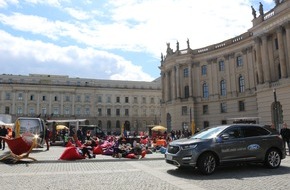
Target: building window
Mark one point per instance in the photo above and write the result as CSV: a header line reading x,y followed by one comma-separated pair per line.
x,y
108,111
126,99
31,111
239,61
87,112
221,65
100,99
55,98
78,98
7,96
78,111
144,100
99,111
135,100
126,112
276,44
19,111
186,91
223,107
203,70
43,111
184,110
67,98
55,111
205,124
87,98
241,84
185,72
205,109
152,101
108,99
118,99
20,96
118,112
241,106
43,98
66,111
31,97
7,110
204,90
223,88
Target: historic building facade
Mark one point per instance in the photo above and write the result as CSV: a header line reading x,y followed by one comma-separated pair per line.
x,y
246,76
106,103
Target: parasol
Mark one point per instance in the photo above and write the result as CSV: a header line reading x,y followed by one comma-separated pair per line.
x,y
158,128
61,127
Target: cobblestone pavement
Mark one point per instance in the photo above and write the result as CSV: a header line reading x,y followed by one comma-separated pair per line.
x,y
105,172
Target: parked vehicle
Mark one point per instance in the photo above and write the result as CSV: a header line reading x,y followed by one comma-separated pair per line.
x,y
225,144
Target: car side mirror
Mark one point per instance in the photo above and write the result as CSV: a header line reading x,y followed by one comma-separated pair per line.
x,y
225,136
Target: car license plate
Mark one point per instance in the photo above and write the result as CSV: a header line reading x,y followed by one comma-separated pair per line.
x,y
168,157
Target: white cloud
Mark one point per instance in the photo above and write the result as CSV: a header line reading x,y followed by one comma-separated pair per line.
x,y
126,25
38,57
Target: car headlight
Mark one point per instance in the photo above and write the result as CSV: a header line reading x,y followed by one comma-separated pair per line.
x,y
188,146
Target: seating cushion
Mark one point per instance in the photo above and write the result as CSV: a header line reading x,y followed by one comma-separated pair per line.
x,y
71,153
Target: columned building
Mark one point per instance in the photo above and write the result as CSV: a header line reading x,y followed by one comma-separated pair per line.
x,y
106,103
242,77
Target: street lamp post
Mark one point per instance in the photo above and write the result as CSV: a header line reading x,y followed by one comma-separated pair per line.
x,y
276,117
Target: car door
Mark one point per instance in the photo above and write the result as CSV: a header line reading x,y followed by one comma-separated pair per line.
x,y
231,147
256,142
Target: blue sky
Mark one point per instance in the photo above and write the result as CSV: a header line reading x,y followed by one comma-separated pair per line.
x,y
113,39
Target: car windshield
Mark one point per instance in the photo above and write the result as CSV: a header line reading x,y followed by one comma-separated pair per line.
x,y
208,133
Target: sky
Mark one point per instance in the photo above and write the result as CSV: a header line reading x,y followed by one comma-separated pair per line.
x,y
112,39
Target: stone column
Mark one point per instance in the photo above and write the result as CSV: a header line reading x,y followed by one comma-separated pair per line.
x,y
287,28
173,83
177,82
163,86
273,70
190,79
227,71
167,89
25,111
258,61
265,59
281,53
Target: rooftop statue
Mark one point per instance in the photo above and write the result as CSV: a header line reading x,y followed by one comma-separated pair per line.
x,y
254,12
261,10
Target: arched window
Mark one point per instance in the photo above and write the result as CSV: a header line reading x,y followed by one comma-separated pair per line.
x,y
223,88
204,90
241,84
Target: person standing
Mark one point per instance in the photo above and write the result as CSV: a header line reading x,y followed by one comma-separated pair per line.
x,y
3,133
285,133
47,136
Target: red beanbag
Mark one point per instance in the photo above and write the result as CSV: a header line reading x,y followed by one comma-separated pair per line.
x,y
143,154
78,143
71,153
131,155
98,150
69,144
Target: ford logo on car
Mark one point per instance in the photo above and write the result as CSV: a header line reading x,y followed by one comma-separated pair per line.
x,y
253,147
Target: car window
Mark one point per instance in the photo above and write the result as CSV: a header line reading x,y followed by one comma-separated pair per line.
x,y
208,133
234,132
251,131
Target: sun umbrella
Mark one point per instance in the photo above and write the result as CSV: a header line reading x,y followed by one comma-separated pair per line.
x,y
158,128
61,127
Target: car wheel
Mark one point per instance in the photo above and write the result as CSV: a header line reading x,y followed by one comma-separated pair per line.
x,y
206,163
272,158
